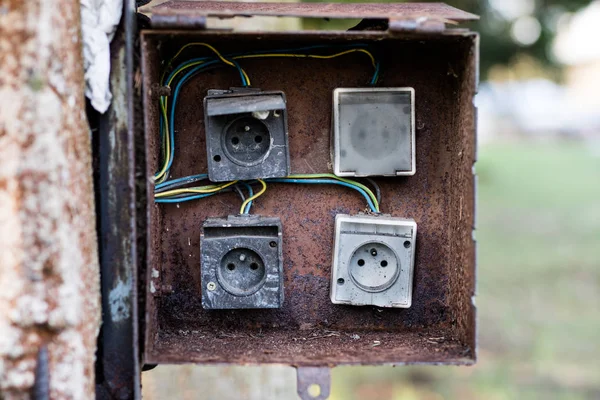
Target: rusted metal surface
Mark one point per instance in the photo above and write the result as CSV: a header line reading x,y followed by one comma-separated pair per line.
x,y
117,366
309,330
436,11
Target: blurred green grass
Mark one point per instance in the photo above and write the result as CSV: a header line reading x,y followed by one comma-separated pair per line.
x,y
538,297
538,285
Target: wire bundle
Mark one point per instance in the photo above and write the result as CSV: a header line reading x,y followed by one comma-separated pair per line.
x,y
175,190
185,71
171,191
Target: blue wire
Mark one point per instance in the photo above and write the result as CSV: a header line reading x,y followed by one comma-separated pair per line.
x,y
185,178
328,181
187,76
182,199
376,74
244,81
250,193
195,70
297,49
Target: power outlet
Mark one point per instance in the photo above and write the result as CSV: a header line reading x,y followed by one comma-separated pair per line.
x,y
241,262
246,134
373,261
373,131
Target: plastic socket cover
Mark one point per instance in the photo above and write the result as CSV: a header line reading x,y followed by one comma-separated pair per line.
x,y
373,261
246,134
241,262
374,131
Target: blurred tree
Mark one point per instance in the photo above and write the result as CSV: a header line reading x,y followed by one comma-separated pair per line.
x,y
508,28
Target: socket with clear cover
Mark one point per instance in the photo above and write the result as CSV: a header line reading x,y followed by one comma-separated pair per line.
x,y
373,261
373,131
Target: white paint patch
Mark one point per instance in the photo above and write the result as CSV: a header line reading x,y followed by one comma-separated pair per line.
x,y
118,299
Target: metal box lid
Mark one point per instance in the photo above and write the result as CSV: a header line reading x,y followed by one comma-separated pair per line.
x,y
400,16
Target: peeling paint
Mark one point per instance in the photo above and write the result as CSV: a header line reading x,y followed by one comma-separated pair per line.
x,y
119,301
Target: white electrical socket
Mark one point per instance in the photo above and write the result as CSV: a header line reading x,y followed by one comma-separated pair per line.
x,y
373,132
373,261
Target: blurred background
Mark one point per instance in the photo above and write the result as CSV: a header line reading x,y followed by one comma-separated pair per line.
x,y
538,227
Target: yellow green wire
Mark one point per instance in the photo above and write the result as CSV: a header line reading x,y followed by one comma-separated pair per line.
x,y
332,176
161,173
301,55
200,189
226,61
249,199
164,99
161,176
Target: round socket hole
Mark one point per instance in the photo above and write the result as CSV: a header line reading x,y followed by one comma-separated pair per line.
x,y
407,244
217,158
340,281
375,273
246,141
273,243
248,274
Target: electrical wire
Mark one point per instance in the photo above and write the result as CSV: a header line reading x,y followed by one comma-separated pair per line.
x,y
317,56
223,59
348,181
183,199
376,187
174,183
200,189
372,206
250,194
167,123
166,194
254,197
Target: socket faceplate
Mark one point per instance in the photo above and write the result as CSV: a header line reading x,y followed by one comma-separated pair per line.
x,y
373,261
241,262
246,134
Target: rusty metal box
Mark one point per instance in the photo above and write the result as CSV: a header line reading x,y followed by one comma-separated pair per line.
x,y
420,47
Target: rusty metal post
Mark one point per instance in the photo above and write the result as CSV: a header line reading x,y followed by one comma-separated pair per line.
x,y
49,286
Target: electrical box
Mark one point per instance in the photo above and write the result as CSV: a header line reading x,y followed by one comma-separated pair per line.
x,y
392,103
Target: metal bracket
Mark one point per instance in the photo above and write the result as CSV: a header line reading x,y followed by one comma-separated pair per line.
x,y
313,383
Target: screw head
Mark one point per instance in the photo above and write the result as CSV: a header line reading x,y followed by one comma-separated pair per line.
x,y
211,286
